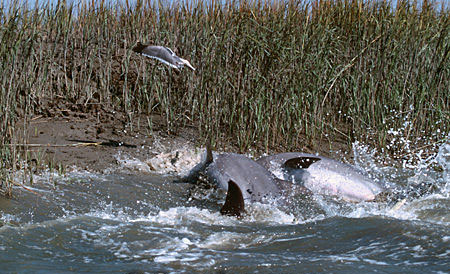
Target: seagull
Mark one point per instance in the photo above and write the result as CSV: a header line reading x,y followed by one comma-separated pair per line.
x,y
162,54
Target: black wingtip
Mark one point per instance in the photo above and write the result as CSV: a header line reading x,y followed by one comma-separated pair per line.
x,y
234,202
139,47
300,162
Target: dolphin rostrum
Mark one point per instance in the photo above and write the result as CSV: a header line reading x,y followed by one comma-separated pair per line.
x,y
162,54
322,175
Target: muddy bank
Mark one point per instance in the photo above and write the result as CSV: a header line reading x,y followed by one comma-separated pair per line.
x,y
92,140
90,144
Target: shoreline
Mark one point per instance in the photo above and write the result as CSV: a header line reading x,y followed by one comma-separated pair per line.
x,y
92,141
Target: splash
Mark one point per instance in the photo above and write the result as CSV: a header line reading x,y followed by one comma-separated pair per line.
x,y
9,219
406,179
256,213
177,162
180,161
443,158
421,186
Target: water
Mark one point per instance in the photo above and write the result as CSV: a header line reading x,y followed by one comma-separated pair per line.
x,y
139,221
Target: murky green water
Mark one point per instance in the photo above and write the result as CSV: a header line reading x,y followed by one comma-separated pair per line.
x,y
119,223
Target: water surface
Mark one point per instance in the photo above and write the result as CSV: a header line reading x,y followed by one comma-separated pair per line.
x,y
120,223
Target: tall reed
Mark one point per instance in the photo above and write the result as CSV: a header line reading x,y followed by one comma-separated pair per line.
x,y
271,74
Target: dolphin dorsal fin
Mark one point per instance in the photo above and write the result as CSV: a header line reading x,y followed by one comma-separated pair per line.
x,y
234,202
300,162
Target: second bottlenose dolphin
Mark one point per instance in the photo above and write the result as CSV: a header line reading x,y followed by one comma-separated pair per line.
x,y
322,175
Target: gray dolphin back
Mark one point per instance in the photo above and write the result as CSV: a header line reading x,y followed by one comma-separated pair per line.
x,y
255,181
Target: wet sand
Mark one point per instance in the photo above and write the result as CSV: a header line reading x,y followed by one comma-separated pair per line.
x,y
90,139
91,142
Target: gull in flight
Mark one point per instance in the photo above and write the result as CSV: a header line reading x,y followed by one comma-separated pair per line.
x,y
162,54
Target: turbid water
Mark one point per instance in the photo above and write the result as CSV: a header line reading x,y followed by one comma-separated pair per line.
x,y
141,222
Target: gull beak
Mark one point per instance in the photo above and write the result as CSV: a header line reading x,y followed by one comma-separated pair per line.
x,y
186,62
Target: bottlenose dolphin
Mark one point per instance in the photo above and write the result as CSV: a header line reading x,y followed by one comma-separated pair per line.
x,y
162,54
322,175
245,181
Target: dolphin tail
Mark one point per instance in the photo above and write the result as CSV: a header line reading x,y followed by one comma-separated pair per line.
x,y
234,202
300,162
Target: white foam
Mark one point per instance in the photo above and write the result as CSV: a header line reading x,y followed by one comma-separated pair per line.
x,y
123,252
110,211
185,215
179,162
333,207
131,163
223,240
443,159
413,174
341,258
275,169
370,261
8,218
269,214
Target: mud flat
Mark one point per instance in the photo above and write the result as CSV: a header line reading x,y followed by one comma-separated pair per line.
x,y
95,141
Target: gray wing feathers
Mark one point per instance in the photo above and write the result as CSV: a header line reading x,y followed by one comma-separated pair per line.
x,y
161,54
166,56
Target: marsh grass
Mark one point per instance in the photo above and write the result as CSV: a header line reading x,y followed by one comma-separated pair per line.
x,y
269,74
